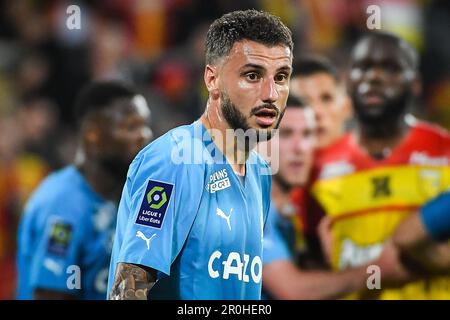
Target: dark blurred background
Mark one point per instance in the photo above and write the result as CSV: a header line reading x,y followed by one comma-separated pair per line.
x,y
158,46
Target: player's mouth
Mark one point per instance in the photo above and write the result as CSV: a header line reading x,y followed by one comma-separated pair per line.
x,y
373,98
296,168
266,117
296,165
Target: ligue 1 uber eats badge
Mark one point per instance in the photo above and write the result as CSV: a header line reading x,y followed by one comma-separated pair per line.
x,y
154,204
60,237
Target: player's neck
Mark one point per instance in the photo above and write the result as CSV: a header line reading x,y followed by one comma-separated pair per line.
x,y
225,141
381,138
104,183
281,197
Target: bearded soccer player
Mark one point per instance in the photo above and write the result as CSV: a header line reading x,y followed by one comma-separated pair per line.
x,y
387,167
66,232
191,216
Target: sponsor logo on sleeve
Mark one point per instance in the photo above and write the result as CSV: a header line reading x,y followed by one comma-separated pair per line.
x,y
60,238
154,204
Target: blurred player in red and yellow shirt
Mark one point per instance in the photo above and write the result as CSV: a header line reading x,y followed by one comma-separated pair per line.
x,y
387,167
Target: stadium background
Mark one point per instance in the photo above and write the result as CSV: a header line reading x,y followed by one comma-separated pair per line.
x,y
158,45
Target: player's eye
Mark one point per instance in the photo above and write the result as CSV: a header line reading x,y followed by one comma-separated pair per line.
x,y
252,76
361,66
308,133
281,77
285,133
326,98
392,67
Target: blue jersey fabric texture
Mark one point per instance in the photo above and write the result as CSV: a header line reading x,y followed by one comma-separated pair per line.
x,y
435,217
279,241
65,238
185,213
279,237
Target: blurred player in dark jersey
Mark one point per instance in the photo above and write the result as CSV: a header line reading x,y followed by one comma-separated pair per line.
x,y
387,167
66,232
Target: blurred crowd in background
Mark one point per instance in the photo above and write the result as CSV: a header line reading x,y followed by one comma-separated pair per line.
x,y
158,46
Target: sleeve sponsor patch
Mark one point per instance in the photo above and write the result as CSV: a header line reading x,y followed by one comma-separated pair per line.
x,y
60,238
154,204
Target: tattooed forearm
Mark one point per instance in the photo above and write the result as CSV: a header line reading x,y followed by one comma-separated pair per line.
x,y
132,282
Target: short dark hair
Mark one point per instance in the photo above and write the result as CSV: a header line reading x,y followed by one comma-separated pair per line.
x,y
258,26
296,102
99,95
309,65
409,52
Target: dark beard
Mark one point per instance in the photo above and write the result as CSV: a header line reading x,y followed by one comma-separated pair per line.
x,y
391,113
237,121
115,166
284,185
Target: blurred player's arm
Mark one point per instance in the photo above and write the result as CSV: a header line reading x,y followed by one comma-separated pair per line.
x,y
285,281
132,282
424,236
393,271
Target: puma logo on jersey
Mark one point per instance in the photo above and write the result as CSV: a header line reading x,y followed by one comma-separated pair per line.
x,y
222,214
53,266
140,235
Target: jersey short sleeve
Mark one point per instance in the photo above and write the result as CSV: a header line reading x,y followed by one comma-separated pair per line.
x,y
56,248
158,206
274,247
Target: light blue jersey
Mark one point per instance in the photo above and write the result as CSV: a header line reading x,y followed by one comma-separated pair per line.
x,y
197,224
279,240
65,238
279,237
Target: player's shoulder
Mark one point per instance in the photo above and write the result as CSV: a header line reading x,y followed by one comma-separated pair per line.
x,y
63,189
171,155
175,145
256,158
260,165
342,148
54,185
429,140
427,130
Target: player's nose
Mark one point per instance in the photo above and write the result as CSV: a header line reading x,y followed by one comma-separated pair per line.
x,y
269,93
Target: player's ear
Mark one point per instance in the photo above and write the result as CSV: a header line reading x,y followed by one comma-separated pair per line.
x,y
90,134
347,109
345,103
212,81
417,86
